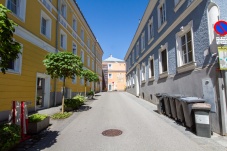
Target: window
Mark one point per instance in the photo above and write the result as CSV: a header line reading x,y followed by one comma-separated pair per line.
x,y
143,72
82,34
142,42
163,60
81,81
93,65
74,24
129,61
17,7
178,4
133,80
161,15
109,66
133,56
14,66
110,76
93,47
88,43
63,40
150,30
74,80
45,25
151,67
184,47
88,61
137,50
82,55
63,10
74,51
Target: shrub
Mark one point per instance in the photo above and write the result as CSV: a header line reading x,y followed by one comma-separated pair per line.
x,y
10,136
91,93
36,117
74,103
61,115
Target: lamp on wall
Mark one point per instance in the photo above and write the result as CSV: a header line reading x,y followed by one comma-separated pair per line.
x,y
182,28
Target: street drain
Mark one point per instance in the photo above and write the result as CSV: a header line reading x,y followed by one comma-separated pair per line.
x,y
112,132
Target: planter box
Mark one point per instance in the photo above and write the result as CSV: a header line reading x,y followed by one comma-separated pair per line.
x,y
34,128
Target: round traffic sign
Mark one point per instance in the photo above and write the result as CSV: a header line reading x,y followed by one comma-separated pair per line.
x,y
220,28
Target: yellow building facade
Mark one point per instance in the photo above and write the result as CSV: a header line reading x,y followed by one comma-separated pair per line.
x,y
46,26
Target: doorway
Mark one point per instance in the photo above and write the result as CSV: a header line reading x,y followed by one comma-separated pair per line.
x,y
110,87
138,81
42,98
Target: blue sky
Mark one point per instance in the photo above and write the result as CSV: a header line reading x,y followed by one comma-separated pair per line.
x,y
114,22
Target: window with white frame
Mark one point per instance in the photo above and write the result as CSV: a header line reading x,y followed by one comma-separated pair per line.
x,y
161,13
14,66
110,75
150,29
143,72
81,81
82,55
88,43
88,61
133,56
163,59
137,49
129,61
178,4
45,25
82,34
133,78
109,66
63,40
74,80
63,10
74,24
17,7
74,51
142,42
184,45
151,66
93,66
93,47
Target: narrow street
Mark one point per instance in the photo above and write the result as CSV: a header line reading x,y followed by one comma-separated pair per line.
x,y
143,128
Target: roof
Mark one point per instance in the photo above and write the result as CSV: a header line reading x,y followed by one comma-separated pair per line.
x,y
112,59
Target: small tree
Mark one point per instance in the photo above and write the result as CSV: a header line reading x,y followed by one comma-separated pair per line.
x,y
89,76
9,49
63,65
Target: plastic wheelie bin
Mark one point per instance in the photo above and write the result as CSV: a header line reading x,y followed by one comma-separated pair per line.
x,y
167,104
187,103
160,105
173,98
179,110
202,119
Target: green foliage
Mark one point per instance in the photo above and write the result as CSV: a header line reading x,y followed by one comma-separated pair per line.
x,y
36,117
63,64
91,93
9,48
89,76
9,136
74,103
80,98
61,115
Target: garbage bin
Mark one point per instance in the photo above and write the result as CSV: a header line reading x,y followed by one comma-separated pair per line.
x,y
167,104
173,104
179,110
187,103
202,119
160,105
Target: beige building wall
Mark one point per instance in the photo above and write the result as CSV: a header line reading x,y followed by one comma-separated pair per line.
x,y
115,75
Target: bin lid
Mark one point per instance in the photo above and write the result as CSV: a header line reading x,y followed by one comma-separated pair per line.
x,y
176,95
161,94
203,106
192,100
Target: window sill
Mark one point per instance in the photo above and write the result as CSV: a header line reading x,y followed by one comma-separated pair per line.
x,y
178,5
49,38
143,81
163,75
9,71
150,40
18,17
142,50
151,78
137,57
186,67
162,26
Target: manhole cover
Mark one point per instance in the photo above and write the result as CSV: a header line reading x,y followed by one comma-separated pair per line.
x,y
112,132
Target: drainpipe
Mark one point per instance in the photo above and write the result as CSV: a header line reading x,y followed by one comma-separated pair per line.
x,y
56,49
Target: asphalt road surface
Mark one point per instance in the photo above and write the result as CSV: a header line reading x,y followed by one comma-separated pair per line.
x,y
143,129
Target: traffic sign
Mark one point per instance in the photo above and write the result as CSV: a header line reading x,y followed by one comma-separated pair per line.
x,y
221,40
220,27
